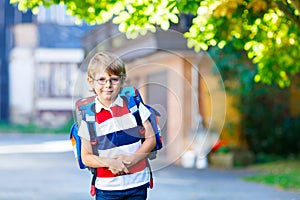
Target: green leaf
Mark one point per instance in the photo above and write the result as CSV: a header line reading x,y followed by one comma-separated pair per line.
x,y
165,25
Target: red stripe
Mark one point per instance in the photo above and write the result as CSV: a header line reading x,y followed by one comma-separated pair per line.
x,y
120,111
104,172
102,116
117,111
138,167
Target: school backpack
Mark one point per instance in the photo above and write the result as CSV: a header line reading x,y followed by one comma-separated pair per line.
x,y
132,98
86,109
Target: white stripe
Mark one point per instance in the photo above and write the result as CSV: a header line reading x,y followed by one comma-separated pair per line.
x,y
123,182
134,109
144,112
122,150
118,102
116,124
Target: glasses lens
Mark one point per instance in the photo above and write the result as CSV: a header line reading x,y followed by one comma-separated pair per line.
x,y
101,81
114,80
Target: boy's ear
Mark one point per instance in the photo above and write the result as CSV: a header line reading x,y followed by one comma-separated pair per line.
x,y
90,80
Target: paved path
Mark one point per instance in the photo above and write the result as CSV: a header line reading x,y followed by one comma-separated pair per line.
x,y
41,173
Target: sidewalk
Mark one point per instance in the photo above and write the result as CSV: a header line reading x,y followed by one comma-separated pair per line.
x,y
212,184
55,176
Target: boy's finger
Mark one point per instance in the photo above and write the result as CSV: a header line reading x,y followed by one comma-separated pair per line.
x,y
126,162
126,170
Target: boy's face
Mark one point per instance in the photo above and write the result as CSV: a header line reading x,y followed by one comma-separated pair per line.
x,y
106,86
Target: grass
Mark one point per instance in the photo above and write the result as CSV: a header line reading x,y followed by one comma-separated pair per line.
x,y
282,174
32,128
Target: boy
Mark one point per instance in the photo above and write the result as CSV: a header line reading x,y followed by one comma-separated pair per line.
x,y
121,165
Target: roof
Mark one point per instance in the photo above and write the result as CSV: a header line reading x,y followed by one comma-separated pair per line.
x,y
61,36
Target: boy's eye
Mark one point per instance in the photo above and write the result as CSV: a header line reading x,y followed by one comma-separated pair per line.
x,y
102,80
114,80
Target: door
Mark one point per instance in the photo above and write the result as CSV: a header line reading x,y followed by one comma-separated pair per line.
x,y
157,97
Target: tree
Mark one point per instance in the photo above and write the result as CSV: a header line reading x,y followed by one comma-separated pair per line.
x,y
268,30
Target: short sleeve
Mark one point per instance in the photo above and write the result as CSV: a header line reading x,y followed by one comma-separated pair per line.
x,y
83,130
144,112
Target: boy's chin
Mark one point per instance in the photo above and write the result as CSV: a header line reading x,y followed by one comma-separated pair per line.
x,y
109,98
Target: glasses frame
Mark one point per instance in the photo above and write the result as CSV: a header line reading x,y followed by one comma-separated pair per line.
x,y
103,81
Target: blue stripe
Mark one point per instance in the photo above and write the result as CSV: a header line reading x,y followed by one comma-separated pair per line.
x,y
119,138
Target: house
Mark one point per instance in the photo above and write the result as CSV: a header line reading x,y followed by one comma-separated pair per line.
x,y
175,80
44,65
179,83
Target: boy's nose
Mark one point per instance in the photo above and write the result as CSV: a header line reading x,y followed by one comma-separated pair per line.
x,y
108,82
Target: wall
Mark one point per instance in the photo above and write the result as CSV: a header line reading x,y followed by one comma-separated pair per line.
x,y
26,105
176,69
218,108
21,73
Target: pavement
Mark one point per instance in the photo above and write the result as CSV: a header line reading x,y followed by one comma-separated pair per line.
x,y
42,166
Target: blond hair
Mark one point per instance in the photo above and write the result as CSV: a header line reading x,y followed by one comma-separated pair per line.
x,y
108,62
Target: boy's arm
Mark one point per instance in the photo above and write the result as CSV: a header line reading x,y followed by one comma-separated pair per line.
x,y
145,148
91,160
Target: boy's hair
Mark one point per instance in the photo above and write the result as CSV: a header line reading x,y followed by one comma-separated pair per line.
x,y
109,62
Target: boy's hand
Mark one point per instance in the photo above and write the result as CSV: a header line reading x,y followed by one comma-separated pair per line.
x,y
117,167
127,160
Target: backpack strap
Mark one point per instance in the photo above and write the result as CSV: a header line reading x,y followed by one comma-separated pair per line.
x,y
91,124
150,173
87,109
142,132
136,114
93,137
94,144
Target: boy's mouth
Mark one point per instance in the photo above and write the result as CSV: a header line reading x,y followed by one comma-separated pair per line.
x,y
108,91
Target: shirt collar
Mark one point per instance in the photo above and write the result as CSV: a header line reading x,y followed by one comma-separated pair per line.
x,y
99,106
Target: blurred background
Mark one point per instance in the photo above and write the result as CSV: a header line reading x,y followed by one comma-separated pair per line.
x,y
220,107
46,57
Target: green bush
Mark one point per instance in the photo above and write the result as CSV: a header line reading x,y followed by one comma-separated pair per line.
x,y
266,122
32,128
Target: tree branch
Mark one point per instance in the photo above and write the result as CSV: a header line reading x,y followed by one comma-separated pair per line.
x,y
283,6
296,4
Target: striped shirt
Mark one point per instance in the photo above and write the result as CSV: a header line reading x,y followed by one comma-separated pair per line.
x,y
117,134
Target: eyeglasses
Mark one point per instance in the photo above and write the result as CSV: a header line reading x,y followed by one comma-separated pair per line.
x,y
103,81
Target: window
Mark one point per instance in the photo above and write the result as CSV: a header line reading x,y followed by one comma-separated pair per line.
x,y
56,79
55,14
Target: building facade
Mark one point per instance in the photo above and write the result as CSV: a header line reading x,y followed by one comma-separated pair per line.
x,y
8,18
44,65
